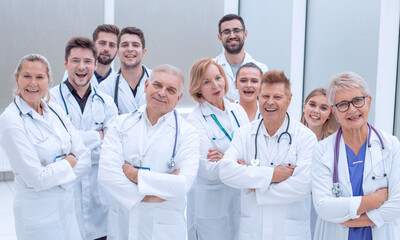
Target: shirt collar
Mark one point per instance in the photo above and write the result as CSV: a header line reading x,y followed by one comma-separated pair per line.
x,y
101,78
164,118
208,109
263,130
74,92
25,108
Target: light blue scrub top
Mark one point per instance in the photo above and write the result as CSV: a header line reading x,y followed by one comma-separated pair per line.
x,y
356,170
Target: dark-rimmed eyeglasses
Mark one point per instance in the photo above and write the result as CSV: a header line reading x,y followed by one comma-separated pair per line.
x,y
228,32
357,102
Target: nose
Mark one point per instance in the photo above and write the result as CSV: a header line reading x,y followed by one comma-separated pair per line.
x,y
214,85
162,92
130,47
81,65
351,108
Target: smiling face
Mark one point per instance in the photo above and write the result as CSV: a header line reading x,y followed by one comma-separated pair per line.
x,y
80,66
233,43
33,82
248,84
163,93
213,86
354,118
316,111
131,51
106,45
274,101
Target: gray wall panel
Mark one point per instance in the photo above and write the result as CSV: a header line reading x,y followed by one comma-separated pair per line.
x,y
341,36
177,32
44,27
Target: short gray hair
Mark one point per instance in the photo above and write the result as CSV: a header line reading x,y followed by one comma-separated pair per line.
x,y
168,69
345,80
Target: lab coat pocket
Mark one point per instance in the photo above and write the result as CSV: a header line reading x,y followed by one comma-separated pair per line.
x,y
396,232
42,220
169,224
112,229
246,228
297,230
211,201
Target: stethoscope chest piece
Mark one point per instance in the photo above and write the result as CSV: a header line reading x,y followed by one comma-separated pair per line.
x,y
255,161
171,163
336,190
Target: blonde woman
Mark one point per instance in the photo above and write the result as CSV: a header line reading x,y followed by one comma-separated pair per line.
x,y
213,207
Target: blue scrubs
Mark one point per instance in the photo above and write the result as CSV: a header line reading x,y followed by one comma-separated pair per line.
x,y
356,172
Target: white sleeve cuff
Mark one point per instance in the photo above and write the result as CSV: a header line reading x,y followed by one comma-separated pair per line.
x,y
375,218
354,205
267,182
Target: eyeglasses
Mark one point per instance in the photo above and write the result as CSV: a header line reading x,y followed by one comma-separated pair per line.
x,y
227,32
357,102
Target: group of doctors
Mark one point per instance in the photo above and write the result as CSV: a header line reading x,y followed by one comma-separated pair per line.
x,y
105,155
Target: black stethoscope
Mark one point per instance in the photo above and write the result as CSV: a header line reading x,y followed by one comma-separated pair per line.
x,y
101,119
43,139
117,85
336,190
255,161
171,163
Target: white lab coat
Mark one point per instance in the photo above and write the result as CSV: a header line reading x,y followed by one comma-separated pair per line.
x,y
90,199
126,140
213,208
221,60
275,210
93,80
257,115
44,201
126,102
332,211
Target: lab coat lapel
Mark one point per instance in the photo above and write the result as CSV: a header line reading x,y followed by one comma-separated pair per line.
x,y
72,104
221,59
373,157
343,168
125,92
261,145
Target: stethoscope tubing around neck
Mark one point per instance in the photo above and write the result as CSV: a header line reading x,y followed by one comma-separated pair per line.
x,y
30,115
95,94
117,84
171,163
279,138
335,177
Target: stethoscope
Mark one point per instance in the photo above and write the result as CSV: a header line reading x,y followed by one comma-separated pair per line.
x,y
171,162
220,125
43,139
255,161
96,121
117,85
336,190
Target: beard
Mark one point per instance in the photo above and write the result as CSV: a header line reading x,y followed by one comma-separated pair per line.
x,y
233,49
105,61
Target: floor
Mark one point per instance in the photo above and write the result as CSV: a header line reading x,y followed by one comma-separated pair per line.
x,y
7,230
